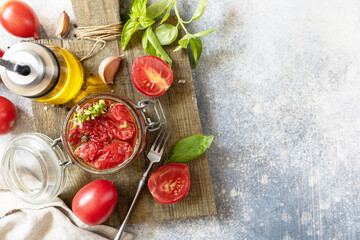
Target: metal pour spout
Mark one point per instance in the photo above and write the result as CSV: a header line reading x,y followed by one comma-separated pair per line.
x,y
20,69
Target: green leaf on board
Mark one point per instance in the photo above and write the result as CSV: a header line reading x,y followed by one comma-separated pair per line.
x,y
138,8
184,41
146,22
160,52
196,49
189,148
166,34
167,14
155,8
128,30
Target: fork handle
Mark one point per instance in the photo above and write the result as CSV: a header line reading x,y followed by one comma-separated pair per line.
x,y
137,195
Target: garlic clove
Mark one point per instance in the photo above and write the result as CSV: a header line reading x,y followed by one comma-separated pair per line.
x,y
108,68
63,25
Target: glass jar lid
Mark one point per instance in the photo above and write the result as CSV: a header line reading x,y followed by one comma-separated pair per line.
x,y
34,168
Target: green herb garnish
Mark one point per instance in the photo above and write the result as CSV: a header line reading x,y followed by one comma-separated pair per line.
x,y
88,114
142,17
189,148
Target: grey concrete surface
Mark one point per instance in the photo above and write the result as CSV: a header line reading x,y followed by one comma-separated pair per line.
x,y
278,85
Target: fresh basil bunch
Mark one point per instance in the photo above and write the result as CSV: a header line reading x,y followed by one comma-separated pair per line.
x,y
189,148
142,17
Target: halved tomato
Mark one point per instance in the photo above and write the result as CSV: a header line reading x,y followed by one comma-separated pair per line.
x,y
170,183
151,75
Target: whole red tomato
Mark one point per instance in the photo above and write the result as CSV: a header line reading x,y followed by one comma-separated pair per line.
x,y
170,183
8,116
95,202
19,19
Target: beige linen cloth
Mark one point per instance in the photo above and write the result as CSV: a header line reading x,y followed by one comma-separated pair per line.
x,y
20,220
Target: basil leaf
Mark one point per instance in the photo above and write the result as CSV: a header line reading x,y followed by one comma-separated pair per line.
x,y
138,8
157,46
145,41
128,30
155,8
199,10
149,49
200,34
167,14
166,34
146,22
196,49
189,148
184,41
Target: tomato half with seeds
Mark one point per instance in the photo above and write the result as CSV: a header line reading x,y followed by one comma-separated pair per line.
x,y
151,75
170,183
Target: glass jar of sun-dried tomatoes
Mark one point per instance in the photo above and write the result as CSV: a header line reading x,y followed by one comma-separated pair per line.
x,y
113,140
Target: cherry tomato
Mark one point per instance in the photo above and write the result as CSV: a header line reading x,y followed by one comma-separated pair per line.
x,y
151,76
95,202
8,116
113,154
170,183
19,19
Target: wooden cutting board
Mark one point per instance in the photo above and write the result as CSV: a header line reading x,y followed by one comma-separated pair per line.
x,y
179,104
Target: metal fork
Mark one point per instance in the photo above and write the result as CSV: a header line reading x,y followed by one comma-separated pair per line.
x,y
154,155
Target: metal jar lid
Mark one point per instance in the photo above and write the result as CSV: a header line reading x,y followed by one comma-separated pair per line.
x,y
44,70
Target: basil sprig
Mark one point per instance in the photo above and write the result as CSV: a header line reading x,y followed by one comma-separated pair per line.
x,y
89,113
189,148
142,18
137,17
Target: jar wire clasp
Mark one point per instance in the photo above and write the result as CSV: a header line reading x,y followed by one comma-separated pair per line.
x,y
65,164
159,113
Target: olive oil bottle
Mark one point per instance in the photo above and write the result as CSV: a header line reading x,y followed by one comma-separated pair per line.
x,y
47,74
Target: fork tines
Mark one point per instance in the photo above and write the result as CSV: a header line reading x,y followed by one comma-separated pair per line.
x,y
161,140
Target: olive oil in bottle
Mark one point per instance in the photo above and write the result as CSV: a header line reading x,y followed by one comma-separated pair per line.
x,y
47,74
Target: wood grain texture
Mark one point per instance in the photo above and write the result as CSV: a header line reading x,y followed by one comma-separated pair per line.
x,y
179,104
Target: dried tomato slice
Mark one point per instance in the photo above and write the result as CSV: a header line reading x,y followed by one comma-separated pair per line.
x,y
89,150
113,154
